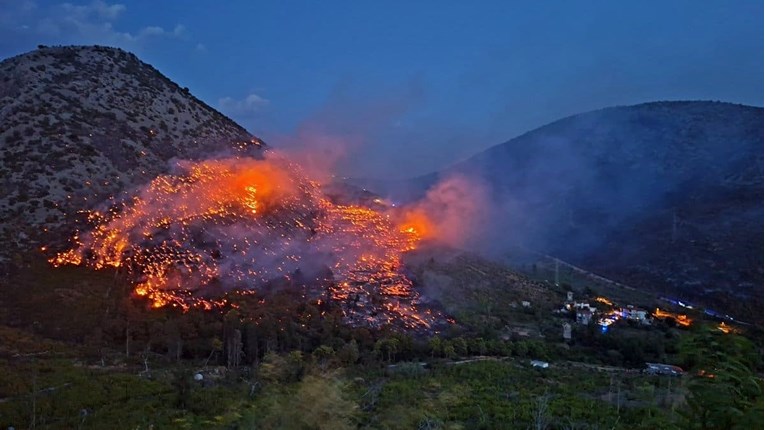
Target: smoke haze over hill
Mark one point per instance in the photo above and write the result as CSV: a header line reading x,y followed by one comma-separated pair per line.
x,y
664,195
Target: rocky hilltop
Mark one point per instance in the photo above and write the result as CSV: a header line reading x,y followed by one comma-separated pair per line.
x,y
79,124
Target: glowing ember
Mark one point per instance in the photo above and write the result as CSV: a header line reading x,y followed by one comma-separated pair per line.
x,y
239,223
604,301
727,329
680,319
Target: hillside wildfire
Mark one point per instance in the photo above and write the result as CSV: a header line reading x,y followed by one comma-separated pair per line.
x,y
241,223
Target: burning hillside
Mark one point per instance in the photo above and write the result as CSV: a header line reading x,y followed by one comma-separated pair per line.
x,y
241,223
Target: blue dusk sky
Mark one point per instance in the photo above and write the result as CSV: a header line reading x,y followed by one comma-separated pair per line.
x,y
408,87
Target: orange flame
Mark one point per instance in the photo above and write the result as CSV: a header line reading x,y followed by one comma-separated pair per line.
x,y
681,319
417,223
255,217
604,301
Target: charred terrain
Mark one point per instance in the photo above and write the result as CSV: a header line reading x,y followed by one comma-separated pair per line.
x,y
164,268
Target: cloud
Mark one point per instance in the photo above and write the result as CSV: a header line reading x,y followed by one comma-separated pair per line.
x,y
108,11
98,9
177,31
247,106
152,31
96,22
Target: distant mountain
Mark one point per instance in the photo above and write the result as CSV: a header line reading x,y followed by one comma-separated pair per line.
x,y
665,195
80,124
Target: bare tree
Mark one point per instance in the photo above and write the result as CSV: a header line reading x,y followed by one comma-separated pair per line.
x,y
145,357
127,337
234,349
217,345
34,401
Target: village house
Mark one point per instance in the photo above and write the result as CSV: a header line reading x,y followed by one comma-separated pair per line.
x,y
566,331
583,316
636,314
569,303
583,305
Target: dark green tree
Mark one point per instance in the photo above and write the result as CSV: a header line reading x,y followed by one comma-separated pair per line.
x,y
724,390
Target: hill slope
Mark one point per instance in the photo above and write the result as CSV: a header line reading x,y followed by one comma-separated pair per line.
x,y
80,124
663,195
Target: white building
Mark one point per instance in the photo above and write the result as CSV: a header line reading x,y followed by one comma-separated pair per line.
x,y
566,331
583,316
637,315
540,364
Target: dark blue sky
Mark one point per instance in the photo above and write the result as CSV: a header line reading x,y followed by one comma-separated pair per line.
x,y
408,87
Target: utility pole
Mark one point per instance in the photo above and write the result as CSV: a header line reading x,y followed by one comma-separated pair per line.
x,y
557,264
34,401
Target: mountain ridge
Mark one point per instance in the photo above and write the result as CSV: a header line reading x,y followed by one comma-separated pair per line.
x,y
623,190
614,190
80,124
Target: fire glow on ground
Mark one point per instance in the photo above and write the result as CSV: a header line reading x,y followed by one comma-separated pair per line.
x,y
236,223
